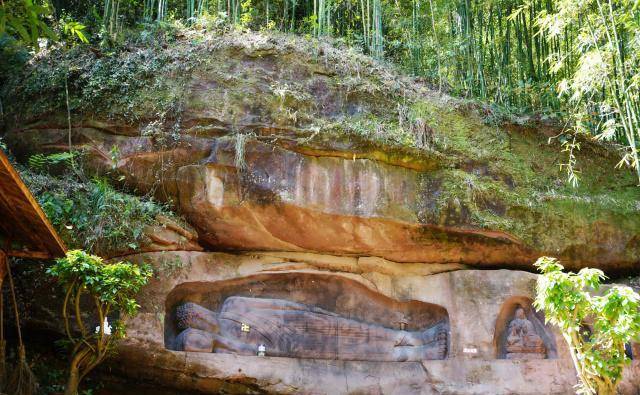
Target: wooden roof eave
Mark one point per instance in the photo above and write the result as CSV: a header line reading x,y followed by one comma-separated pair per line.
x,y
24,220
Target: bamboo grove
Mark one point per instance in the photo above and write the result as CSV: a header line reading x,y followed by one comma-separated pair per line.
x,y
544,56
488,49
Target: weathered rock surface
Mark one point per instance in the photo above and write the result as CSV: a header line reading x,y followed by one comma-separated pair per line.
x,y
475,301
169,235
269,147
222,373
330,181
479,307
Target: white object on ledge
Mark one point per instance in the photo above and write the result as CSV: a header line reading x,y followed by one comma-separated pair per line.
x,y
262,350
105,327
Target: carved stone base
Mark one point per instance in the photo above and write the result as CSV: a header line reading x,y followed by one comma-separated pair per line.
x,y
525,355
532,349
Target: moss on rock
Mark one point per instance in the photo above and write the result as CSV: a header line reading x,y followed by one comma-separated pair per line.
x,y
315,98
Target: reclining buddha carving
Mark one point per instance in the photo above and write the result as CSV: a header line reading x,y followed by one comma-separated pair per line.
x,y
291,329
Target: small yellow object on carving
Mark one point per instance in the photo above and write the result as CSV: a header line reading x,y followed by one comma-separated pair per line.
x,y
244,327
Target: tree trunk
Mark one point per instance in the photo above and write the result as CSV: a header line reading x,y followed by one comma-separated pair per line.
x,y
606,388
73,382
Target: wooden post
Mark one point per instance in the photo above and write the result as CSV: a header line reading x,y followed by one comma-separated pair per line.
x,y
3,266
4,260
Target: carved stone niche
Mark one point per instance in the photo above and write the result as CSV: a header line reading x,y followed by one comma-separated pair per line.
x,y
520,332
303,315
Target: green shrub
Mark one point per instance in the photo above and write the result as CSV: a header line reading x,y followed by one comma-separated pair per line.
x,y
91,214
612,319
112,288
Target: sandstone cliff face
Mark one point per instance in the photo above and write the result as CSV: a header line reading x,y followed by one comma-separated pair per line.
x,y
477,304
474,301
280,144
312,167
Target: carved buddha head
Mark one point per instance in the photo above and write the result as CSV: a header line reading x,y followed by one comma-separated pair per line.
x,y
403,321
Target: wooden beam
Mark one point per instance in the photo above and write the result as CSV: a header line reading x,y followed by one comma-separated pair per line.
x,y
51,241
7,251
20,225
29,254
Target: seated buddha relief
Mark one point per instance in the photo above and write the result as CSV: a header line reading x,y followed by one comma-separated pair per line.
x,y
522,340
521,333
283,328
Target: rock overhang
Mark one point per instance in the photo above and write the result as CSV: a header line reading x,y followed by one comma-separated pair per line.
x,y
283,199
380,161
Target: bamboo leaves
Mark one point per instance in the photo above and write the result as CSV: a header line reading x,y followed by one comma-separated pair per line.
x,y
75,29
602,86
25,20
